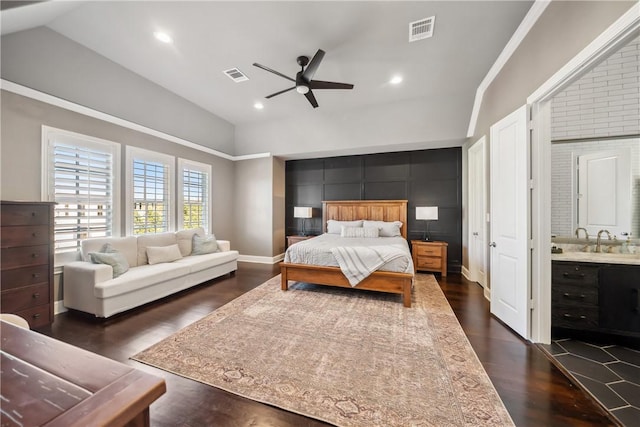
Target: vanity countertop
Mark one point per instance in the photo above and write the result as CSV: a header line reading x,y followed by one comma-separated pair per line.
x,y
632,259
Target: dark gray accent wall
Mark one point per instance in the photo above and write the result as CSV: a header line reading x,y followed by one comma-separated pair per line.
x,y
424,178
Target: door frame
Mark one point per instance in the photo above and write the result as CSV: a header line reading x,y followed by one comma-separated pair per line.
x,y
625,28
480,147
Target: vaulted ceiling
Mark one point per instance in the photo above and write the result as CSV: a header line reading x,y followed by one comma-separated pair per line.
x,y
366,44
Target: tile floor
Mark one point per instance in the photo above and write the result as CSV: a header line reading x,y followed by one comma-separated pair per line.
x,y
611,374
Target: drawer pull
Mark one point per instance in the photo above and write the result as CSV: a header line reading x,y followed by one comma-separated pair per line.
x,y
33,214
35,275
36,295
573,276
34,255
572,317
34,234
567,295
37,315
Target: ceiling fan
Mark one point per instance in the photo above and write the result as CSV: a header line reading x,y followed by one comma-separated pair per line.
x,y
303,80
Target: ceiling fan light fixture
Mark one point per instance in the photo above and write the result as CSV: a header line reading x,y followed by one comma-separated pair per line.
x,y
302,89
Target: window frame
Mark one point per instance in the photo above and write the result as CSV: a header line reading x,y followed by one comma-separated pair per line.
x,y
49,135
133,153
185,164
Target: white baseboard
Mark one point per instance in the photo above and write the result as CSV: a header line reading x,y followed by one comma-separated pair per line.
x,y
58,307
487,293
466,274
261,259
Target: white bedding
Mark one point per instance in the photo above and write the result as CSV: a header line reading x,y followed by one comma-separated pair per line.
x,y
317,251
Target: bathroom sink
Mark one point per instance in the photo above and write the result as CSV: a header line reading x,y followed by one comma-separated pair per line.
x,y
597,257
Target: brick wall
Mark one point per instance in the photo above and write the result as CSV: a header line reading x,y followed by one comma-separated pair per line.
x,y
605,102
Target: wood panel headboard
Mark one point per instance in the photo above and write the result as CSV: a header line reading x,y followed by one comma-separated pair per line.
x,y
373,210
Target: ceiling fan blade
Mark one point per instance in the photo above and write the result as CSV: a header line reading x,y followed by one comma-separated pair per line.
x,y
313,65
273,71
312,99
319,84
278,93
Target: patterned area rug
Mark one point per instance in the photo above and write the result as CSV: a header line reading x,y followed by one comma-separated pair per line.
x,y
344,356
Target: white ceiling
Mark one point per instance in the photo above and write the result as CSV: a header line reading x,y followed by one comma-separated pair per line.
x,y
366,43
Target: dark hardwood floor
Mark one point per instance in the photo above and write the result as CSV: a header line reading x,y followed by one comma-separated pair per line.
x,y
533,390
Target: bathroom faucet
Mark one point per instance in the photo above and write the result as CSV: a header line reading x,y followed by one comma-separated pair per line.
x,y
598,249
586,235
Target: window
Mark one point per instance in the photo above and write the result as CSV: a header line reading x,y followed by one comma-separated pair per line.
x,y
149,195
80,173
194,185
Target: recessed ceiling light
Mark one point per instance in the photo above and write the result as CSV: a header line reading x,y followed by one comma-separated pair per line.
x,y
163,37
258,106
395,80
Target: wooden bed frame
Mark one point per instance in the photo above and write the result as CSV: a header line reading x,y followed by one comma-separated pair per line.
x,y
350,210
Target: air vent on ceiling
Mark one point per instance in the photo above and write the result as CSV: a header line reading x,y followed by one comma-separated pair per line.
x,y
236,75
421,29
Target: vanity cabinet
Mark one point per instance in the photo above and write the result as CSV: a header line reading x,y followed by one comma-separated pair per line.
x,y
595,298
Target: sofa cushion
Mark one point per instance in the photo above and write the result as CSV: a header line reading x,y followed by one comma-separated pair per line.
x,y
160,254
160,239
185,239
140,277
202,262
110,256
126,245
204,245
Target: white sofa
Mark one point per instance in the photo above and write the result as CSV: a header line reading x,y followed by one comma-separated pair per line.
x,y
91,287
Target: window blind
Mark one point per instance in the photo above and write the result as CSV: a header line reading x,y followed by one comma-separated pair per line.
x,y
195,198
150,196
82,185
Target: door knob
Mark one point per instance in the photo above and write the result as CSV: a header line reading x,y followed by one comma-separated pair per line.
x,y
492,244
475,233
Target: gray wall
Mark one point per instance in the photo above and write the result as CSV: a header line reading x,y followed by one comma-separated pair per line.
x,y
563,30
20,155
51,63
253,206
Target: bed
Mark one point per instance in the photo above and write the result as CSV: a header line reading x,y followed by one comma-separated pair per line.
x,y
351,210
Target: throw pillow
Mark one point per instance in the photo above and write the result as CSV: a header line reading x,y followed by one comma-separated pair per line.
x,y
160,254
204,245
367,232
110,256
335,227
387,228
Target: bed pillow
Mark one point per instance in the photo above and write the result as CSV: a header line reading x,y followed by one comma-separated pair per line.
x,y
366,232
110,256
387,228
159,254
204,244
335,227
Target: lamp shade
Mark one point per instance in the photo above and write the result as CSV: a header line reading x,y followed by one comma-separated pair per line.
x,y
302,212
427,212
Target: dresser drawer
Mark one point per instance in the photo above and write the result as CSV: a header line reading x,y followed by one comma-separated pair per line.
x,y
37,316
24,298
429,263
24,235
25,215
571,273
428,251
575,317
574,295
24,257
26,276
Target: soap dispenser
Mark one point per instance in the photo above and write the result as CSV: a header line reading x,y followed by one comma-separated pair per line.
x,y
626,245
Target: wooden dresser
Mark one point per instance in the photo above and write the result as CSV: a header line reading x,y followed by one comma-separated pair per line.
x,y
26,260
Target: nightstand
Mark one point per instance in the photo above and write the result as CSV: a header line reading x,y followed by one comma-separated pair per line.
x,y
429,256
295,239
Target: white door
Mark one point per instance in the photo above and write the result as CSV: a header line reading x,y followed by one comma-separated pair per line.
x,y
477,212
510,199
604,192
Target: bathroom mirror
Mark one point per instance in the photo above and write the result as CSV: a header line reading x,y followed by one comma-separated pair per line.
x,y
595,184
